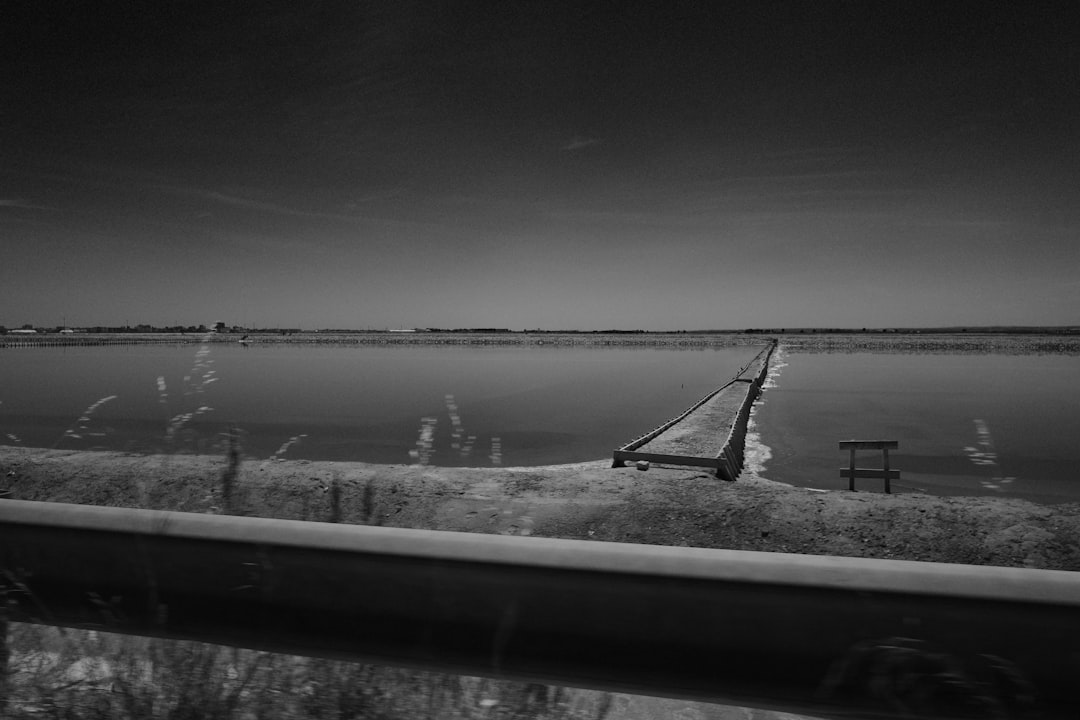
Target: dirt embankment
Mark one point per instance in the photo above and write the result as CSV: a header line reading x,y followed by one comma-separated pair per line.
x,y
662,506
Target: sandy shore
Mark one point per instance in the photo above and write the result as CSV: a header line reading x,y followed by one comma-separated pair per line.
x,y
662,506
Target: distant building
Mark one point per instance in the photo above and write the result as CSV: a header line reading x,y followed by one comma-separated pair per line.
x,y
23,331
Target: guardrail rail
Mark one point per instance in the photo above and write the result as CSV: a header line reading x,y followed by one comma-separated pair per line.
x,y
835,637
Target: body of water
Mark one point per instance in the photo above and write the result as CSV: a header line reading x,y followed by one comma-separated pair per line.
x,y
968,423
449,406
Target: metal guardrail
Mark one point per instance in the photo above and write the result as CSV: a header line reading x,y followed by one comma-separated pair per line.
x,y
837,637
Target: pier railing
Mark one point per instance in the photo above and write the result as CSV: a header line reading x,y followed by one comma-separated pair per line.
x,y
835,637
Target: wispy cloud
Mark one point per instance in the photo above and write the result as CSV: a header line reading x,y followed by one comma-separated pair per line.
x,y
127,179
90,174
22,204
816,153
804,177
579,142
376,197
350,216
260,205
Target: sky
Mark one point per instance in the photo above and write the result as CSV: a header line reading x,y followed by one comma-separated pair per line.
x,y
579,165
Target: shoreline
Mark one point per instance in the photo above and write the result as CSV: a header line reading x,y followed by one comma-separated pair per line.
x,y
676,339
589,500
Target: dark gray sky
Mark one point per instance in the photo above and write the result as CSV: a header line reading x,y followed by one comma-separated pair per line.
x,y
656,165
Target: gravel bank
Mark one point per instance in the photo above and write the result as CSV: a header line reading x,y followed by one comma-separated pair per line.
x,y
662,506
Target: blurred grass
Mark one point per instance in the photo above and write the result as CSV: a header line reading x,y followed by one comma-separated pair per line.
x,y
79,674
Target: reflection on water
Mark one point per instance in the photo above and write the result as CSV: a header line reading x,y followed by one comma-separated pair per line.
x,y
440,405
985,456
1002,423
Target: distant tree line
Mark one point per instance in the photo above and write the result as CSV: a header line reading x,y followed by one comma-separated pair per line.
x,y
177,329
221,327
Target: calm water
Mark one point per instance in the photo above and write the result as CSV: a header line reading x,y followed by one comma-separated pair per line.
x,y
463,406
969,424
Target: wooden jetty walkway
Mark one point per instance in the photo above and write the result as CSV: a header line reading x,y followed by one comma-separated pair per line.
x,y
712,432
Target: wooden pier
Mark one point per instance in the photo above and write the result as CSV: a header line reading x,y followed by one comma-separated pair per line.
x,y
712,432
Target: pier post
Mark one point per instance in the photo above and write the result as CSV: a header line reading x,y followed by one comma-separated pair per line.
x,y
885,466
851,470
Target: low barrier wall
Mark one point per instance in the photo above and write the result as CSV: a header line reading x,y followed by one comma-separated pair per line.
x,y
732,457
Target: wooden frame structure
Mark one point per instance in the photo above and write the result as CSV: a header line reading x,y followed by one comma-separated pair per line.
x,y
885,472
